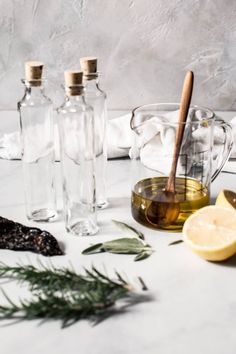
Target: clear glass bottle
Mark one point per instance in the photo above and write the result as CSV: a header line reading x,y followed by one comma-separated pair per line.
x,y
96,98
38,156
77,158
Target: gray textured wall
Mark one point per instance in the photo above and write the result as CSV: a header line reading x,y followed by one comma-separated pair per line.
x,y
144,46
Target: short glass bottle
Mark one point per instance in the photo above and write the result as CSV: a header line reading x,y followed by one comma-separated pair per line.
x,y
76,130
38,156
96,98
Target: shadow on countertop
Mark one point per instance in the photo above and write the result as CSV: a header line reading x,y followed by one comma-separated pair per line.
x,y
231,262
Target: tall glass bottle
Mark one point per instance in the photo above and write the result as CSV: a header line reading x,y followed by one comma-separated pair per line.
x,y
77,158
37,136
96,98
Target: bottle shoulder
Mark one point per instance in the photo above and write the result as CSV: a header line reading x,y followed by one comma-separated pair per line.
x,y
73,107
93,90
97,97
28,100
101,92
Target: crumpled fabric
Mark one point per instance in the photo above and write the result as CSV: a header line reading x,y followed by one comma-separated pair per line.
x,y
154,142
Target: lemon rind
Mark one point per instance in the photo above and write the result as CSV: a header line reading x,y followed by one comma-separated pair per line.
x,y
215,253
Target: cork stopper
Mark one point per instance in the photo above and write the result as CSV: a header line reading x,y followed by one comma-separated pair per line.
x,y
33,72
89,67
73,82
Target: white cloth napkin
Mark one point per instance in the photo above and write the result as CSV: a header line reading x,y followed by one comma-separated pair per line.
x,y
156,139
119,140
230,166
155,142
233,152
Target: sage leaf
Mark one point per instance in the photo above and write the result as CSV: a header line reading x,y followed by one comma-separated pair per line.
x,y
125,227
175,242
94,249
124,245
143,255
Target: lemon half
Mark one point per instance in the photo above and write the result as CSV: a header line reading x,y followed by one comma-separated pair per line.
x,y
227,199
211,232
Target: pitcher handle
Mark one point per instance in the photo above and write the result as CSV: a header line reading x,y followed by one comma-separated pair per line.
x,y
228,144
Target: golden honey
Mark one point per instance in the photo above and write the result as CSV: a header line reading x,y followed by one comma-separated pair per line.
x,y
190,195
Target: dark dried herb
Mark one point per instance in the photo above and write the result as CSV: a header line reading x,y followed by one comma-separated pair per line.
x,y
18,237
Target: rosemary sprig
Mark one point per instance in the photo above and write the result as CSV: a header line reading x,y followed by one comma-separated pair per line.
x,y
61,293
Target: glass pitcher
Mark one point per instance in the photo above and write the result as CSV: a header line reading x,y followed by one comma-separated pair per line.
x,y
206,146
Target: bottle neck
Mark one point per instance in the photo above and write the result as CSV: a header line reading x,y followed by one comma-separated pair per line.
x,y
33,88
91,84
75,90
75,99
34,91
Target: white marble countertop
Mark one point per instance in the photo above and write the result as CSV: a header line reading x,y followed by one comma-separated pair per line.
x,y
193,306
